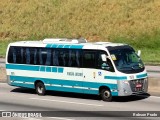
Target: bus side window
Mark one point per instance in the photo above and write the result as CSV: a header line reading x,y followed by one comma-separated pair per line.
x,y
111,68
89,58
22,52
14,55
104,64
11,55
48,60
74,58
99,61
55,57
17,55
42,56
62,57
35,56
70,58
78,58
27,56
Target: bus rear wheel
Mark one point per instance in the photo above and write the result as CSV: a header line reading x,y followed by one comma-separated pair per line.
x,y
106,95
40,88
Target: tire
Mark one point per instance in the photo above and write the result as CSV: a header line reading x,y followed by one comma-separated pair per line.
x,y
106,95
40,89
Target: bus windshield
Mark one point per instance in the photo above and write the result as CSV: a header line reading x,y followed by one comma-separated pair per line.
x,y
125,59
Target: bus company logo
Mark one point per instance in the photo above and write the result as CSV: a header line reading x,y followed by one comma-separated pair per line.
x,y
6,114
21,114
100,73
131,77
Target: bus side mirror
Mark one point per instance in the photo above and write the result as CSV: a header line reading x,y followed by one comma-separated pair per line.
x,y
139,53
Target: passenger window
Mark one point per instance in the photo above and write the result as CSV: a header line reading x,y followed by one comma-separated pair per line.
x,y
75,59
31,56
42,56
11,55
48,60
67,58
27,56
62,57
55,58
89,59
14,55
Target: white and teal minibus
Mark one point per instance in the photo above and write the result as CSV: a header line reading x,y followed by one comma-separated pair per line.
x,y
75,65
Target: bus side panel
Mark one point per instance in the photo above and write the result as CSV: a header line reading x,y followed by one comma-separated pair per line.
x,y
96,78
20,81
60,85
64,89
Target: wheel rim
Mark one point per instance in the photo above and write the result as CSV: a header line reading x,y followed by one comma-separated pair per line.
x,y
107,94
40,89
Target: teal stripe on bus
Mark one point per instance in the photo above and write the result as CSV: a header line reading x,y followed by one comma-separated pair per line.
x,y
142,75
64,46
116,77
54,69
67,46
22,67
48,45
76,46
23,85
48,69
60,70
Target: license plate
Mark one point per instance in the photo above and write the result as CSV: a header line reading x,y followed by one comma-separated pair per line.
x,y
138,85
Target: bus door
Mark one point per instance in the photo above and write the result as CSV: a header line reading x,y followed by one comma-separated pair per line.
x,y
96,71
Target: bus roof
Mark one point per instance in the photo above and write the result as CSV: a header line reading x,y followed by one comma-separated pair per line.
x,y
65,43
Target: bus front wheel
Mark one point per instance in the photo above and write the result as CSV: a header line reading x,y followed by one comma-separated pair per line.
x,y
106,95
40,88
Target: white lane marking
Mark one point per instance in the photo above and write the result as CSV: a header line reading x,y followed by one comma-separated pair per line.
x,y
3,83
67,102
59,118
31,118
155,97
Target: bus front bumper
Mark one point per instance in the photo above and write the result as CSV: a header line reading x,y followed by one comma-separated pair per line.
x,y
132,87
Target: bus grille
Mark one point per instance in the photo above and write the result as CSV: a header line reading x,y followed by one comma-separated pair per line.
x,y
137,85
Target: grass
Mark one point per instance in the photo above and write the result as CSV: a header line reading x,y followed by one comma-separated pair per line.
x,y
136,22
148,44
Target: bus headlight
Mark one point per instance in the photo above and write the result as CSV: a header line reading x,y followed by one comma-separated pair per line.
x,y
126,82
146,79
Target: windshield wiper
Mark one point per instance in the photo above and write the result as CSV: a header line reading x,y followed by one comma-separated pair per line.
x,y
125,67
139,66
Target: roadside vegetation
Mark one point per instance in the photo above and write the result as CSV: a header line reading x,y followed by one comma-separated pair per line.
x,y
136,22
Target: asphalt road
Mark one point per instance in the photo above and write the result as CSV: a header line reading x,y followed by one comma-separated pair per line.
x,y
74,106
154,74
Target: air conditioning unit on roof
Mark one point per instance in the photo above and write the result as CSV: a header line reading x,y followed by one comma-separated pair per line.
x,y
64,40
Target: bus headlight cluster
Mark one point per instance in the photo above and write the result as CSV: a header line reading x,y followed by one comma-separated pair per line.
x,y
126,82
146,79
